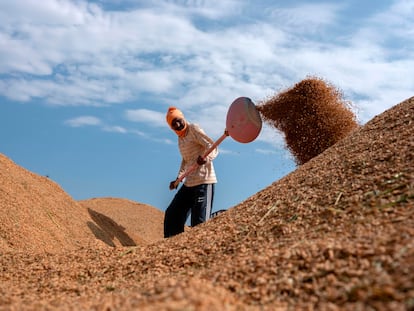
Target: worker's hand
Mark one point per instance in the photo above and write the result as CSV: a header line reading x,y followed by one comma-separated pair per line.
x,y
201,160
173,184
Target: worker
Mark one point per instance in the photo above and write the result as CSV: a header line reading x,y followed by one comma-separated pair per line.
x,y
196,195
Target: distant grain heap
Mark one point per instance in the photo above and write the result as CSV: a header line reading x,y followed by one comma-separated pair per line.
x,y
312,115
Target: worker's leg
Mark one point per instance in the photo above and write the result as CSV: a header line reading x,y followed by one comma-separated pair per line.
x,y
203,203
176,214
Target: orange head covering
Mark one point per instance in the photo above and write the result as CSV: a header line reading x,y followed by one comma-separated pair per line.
x,y
174,113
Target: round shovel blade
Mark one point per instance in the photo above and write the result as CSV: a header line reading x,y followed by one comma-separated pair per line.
x,y
243,120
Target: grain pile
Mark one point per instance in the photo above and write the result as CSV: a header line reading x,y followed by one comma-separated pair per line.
x,y
126,222
312,115
335,234
37,215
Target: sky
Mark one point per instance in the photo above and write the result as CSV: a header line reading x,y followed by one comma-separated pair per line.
x,y
85,85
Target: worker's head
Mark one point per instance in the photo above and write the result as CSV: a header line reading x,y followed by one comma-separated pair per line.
x,y
176,121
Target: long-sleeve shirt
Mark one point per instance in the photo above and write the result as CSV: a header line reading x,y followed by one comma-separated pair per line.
x,y
193,144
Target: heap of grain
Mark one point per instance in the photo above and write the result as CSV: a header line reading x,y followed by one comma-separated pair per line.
x,y
312,115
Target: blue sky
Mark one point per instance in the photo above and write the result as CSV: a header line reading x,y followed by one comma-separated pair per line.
x,y
84,85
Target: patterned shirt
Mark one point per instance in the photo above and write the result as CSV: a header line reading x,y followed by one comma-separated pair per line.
x,y
193,144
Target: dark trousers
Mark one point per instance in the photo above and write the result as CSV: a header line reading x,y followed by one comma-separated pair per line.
x,y
197,200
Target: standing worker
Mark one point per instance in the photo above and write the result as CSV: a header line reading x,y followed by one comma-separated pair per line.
x,y
197,192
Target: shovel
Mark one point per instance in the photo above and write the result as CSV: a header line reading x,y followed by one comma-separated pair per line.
x,y
243,124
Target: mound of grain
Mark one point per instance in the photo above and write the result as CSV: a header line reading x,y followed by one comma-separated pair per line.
x,y
126,222
335,234
37,215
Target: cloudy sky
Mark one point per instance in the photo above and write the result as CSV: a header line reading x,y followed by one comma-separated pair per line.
x,y
84,85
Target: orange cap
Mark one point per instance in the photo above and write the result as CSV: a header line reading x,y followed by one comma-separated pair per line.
x,y
173,113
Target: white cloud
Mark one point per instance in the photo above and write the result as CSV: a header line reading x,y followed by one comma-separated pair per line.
x,y
46,11
115,129
200,55
398,20
212,9
154,118
83,121
226,151
265,151
306,17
